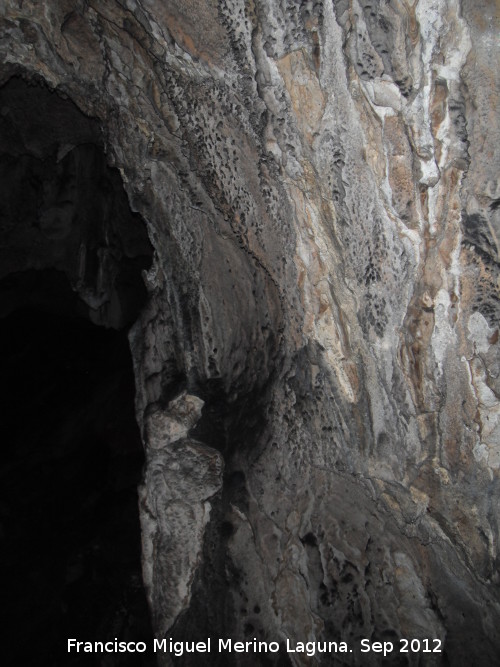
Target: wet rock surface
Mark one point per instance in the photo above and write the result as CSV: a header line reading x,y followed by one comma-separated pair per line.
x,y
316,362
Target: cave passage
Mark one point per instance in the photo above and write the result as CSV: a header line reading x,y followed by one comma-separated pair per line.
x,y
71,462
71,256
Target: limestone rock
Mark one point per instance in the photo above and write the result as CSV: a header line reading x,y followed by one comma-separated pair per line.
x,y
319,182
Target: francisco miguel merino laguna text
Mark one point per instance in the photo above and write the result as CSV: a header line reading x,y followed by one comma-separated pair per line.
x,y
178,648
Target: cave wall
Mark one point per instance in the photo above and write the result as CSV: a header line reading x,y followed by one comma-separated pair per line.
x,y
317,364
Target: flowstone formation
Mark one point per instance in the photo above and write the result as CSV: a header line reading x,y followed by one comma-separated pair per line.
x,y
317,364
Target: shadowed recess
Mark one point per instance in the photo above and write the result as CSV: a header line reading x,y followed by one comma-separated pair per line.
x,y
71,257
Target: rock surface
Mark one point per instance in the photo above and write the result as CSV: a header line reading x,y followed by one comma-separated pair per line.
x,y
317,365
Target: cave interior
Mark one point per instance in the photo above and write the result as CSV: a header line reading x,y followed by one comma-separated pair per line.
x,y
72,254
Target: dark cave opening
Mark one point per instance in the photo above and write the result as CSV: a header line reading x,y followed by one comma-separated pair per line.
x,y
71,257
64,208
71,462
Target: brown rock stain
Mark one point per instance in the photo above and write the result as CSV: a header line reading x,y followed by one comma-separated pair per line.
x,y
438,112
413,24
194,26
308,100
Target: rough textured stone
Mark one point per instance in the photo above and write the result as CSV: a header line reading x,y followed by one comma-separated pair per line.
x,y
320,184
